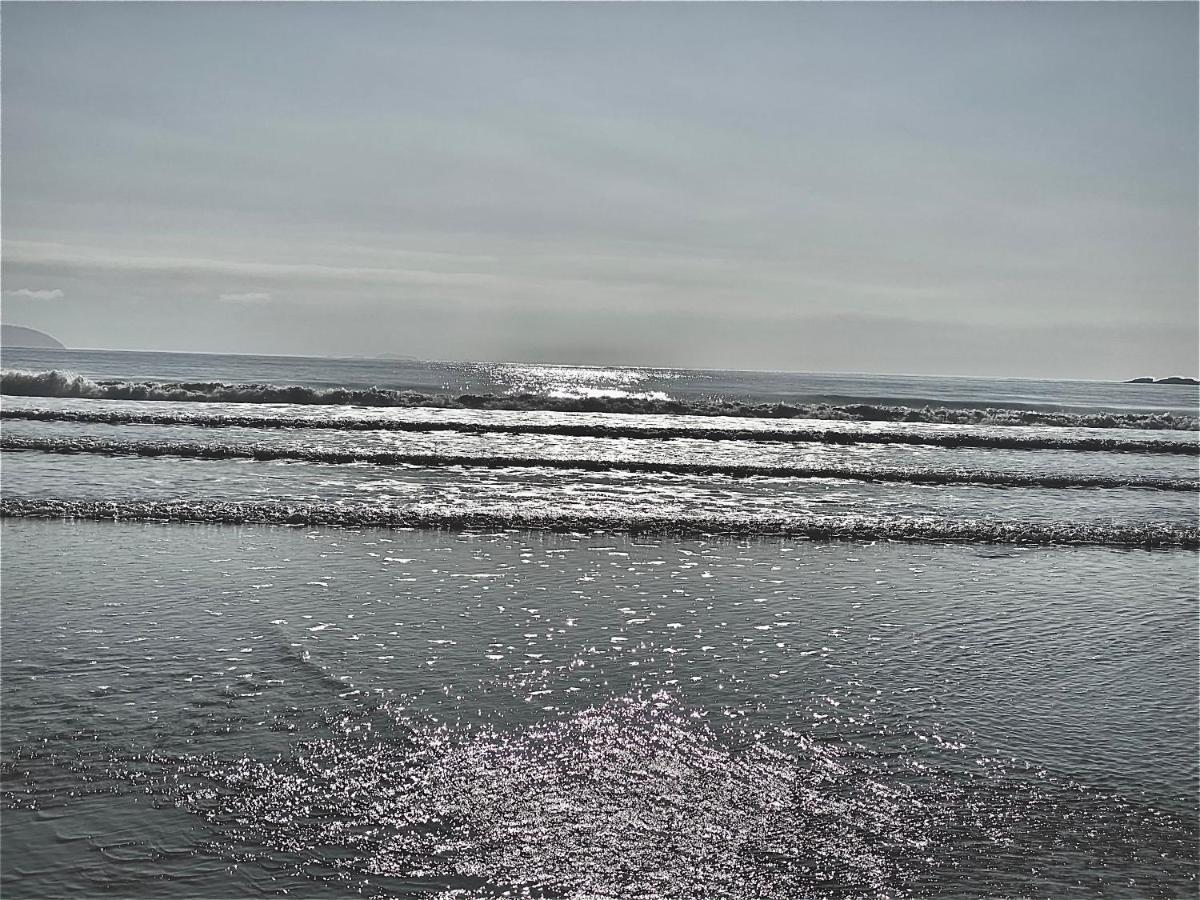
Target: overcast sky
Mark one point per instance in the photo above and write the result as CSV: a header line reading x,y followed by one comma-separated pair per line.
x,y
1005,189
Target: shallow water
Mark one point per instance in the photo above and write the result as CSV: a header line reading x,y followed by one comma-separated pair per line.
x,y
419,711
559,494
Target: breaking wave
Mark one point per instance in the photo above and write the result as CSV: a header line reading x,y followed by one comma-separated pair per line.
x,y
270,452
598,430
70,384
1152,535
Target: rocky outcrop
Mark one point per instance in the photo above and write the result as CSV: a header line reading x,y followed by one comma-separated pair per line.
x,y
1174,379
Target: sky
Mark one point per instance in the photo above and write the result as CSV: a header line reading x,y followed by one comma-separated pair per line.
x,y
948,188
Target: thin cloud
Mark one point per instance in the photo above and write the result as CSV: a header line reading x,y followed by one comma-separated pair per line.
x,y
55,257
249,297
30,294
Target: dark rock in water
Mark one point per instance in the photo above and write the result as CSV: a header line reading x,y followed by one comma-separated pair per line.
x,y
1176,379
20,336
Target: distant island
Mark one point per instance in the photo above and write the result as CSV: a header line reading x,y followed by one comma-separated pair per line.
x,y
20,336
1174,379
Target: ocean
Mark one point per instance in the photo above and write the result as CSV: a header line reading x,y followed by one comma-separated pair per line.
x,y
389,628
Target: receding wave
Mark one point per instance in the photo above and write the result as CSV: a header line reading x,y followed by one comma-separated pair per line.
x,y
271,452
1152,535
598,430
70,384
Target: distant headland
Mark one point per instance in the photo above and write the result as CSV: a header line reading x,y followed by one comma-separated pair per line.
x,y
20,336
1174,379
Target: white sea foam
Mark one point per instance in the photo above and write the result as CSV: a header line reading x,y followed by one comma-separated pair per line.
x,y
1149,535
69,384
842,435
867,472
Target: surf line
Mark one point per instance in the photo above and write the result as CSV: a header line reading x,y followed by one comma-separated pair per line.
x,y
63,384
846,437
814,528
271,453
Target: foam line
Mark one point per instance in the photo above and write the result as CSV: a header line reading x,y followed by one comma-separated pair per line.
x,y
816,528
271,452
70,384
597,430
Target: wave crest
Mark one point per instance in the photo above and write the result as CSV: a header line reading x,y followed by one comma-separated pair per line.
x,y
269,452
72,385
1151,535
598,430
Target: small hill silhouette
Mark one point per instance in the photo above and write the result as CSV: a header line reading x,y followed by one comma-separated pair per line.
x,y
20,336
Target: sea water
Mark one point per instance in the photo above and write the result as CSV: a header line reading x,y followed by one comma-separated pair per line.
x,y
475,630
